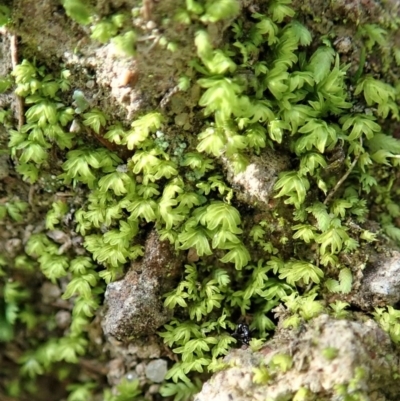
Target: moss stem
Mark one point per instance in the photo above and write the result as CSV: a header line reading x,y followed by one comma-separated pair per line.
x,y
341,181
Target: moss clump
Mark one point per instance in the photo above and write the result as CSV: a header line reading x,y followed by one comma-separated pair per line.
x,y
272,85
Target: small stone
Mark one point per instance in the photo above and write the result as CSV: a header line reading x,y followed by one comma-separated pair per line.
x,y
63,319
13,245
156,370
192,255
151,25
116,370
131,376
127,77
154,389
75,126
90,84
122,168
58,236
50,292
343,44
140,369
148,351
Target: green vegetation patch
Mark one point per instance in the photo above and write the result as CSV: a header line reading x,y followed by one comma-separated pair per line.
x,y
272,85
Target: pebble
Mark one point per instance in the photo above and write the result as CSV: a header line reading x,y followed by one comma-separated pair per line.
x,y
156,370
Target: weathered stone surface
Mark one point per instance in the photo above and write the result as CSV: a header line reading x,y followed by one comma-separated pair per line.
x,y
133,305
359,365
376,276
156,370
255,184
119,85
381,281
130,360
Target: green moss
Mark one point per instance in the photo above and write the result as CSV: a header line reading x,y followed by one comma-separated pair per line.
x,y
268,87
330,353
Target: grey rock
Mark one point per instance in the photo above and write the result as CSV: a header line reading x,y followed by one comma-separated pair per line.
x,y
63,319
381,281
255,184
147,351
141,369
134,306
376,276
131,376
363,361
50,292
156,370
116,369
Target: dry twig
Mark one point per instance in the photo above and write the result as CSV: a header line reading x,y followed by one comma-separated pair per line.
x,y
341,181
14,62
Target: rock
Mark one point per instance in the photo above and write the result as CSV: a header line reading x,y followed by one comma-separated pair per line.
x,y
376,277
381,281
131,376
116,369
153,389
146,351
328,358
50,292
133,356
141,369
133,305
63,319
255,184
58,236
156,370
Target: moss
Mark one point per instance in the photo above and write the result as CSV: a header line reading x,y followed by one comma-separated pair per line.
x,y
271,86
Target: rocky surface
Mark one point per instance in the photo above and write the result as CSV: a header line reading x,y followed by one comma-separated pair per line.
x,y
134,306
119,85
380,285
123,88
254,185
156,370
328,358
376,276
142,359
381,282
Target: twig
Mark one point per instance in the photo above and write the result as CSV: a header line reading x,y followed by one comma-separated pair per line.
x,y
31,194
13,49
14,62
146,9
341,181
94,366
167,97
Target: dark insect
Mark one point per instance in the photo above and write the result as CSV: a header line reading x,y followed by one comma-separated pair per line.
x,y
242,333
